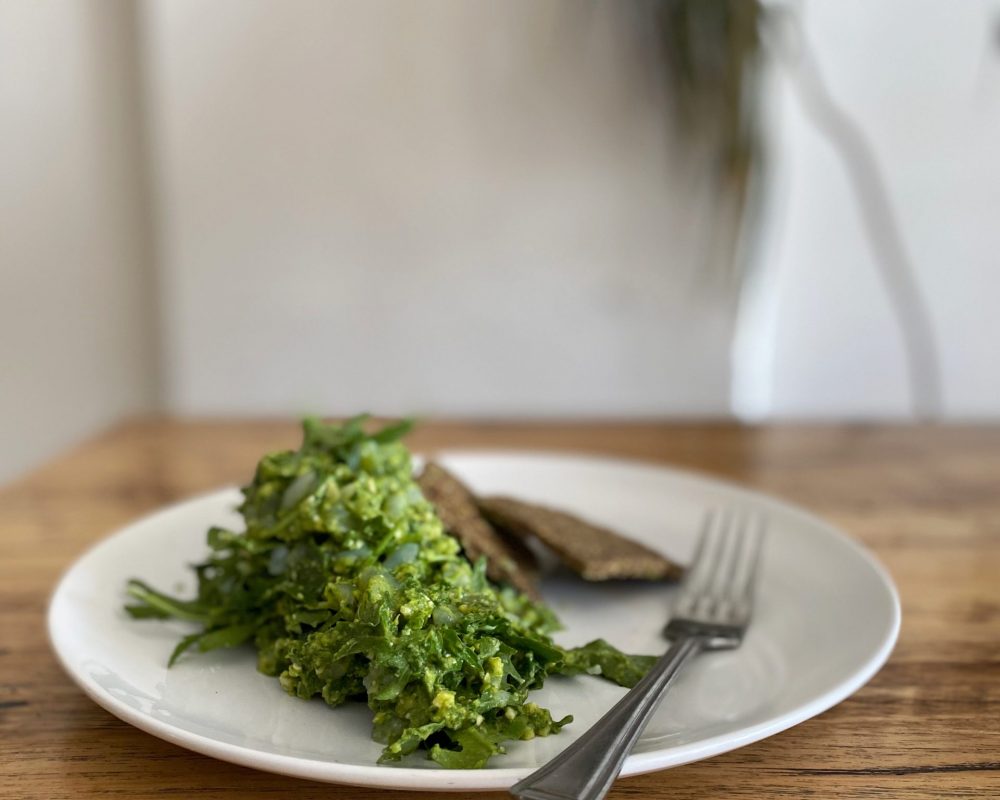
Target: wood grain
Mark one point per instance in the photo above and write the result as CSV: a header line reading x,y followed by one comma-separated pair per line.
x,y
926,500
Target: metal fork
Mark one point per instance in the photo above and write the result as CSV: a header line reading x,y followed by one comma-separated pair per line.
x,y
711,612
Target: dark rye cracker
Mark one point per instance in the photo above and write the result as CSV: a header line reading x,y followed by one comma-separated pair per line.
x,y
508,560
593,552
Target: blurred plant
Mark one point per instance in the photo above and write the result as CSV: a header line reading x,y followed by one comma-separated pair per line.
x,y
710,50
785,39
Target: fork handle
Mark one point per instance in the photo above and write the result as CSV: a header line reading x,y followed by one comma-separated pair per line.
x,y
586,769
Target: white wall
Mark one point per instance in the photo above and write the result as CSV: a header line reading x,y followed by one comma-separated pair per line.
x,y
464,207
473,208
922,81
455,207
75,332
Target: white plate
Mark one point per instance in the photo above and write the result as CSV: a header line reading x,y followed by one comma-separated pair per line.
x,y
826,619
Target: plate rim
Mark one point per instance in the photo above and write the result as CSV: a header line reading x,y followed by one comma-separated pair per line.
x,y
499,778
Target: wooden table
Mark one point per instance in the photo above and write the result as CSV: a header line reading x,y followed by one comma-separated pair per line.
x,y
926,500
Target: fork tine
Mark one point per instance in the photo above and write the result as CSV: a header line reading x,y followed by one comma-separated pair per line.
x,y
739,532
738,593
721,578
744,585
701,563
726,556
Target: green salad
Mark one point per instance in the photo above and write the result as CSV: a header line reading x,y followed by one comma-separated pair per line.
x,y
349,588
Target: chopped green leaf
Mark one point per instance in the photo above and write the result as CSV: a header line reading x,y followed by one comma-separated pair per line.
x,y
348,586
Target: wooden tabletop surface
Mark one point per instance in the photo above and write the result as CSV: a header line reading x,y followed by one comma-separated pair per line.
x,y
926,500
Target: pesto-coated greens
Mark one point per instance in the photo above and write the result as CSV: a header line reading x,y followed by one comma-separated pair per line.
x,y
349,588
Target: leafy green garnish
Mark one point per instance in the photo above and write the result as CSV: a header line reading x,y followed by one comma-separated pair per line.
x,y
349,587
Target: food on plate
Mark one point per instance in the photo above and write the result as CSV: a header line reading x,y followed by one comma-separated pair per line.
x,y
349,587
508,560
499,527
593,552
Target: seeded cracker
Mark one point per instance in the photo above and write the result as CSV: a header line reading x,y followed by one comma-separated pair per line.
x,y
595,553
508,560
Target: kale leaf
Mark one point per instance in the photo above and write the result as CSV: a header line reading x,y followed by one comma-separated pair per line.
x,y
349,588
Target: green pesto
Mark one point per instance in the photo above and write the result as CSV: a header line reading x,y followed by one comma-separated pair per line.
x,y
349,588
